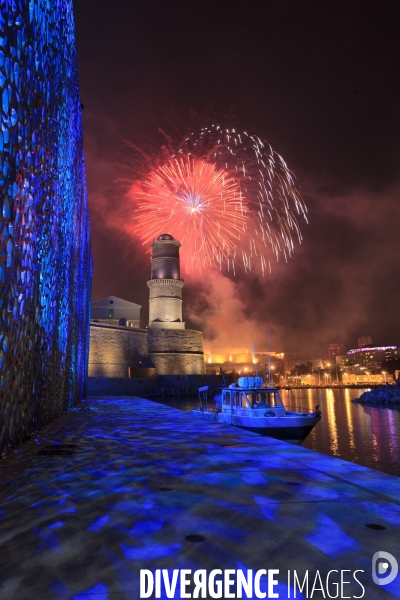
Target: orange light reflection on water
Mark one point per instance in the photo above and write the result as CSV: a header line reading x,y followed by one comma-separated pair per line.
x,y
366,435
332,425
349,419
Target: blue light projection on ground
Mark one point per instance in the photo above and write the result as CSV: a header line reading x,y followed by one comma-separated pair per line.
x,y
336,543
45,256
140,482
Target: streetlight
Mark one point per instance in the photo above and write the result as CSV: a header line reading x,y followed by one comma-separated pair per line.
x,y
328,364
272,367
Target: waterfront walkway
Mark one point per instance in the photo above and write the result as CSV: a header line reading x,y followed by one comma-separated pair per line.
x,y
144,477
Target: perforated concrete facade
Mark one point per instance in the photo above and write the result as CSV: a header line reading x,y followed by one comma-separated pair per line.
x,y
45,255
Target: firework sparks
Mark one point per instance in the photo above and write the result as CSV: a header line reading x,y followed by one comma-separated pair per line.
x,y
199,205
223,192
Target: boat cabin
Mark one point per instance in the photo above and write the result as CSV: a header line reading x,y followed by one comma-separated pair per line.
x,y
260,400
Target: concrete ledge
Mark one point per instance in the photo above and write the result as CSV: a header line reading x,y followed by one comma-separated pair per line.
x,y
120,327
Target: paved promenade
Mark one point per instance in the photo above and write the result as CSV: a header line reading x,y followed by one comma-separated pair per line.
x,y
138,485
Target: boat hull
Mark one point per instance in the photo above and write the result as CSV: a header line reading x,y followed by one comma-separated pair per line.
x,y
290,429
293,429
293,435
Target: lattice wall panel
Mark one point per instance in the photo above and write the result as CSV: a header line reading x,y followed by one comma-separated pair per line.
x,y
45,256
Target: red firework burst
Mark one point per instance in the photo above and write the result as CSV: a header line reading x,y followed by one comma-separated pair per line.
x,y
200,205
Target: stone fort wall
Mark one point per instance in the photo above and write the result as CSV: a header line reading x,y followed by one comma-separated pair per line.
x,y
113,350
176,351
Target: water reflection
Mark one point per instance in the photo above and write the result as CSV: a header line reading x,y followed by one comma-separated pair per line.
x,y
349,417
331,422
393,444
366,435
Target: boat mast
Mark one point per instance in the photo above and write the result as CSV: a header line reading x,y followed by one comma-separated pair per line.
x,y
269,358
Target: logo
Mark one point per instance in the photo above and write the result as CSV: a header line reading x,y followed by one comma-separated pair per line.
x,y
385,564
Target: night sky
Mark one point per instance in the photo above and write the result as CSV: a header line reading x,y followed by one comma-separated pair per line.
x,y
320,81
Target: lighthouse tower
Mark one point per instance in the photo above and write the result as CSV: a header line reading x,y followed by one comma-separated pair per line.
x,y
173,349
165,309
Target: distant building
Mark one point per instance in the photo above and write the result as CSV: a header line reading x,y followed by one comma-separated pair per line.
x,y
335,350
374,355
364,365
367,378
115,311
242,360
345,360
364,341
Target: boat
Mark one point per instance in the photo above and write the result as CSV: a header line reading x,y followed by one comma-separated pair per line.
x,y
249,405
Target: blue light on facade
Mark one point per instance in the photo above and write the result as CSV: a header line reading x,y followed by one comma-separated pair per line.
x,y
45,255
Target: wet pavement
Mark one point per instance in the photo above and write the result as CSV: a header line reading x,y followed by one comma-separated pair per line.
x,y
128,484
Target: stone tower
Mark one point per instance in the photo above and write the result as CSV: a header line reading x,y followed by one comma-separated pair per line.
x,y
165,310
173,349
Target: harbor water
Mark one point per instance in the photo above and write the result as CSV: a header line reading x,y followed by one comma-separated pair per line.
x,y
366,435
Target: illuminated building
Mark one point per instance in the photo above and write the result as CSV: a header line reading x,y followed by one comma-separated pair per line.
x,y
116,311
364,341
45,266
241,361
374,355
363,365
335,350
355,376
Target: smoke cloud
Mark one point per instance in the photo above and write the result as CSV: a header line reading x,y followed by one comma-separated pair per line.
x,y
214,306
342,281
